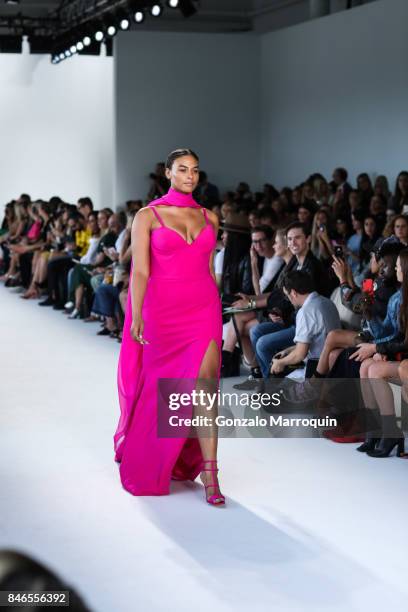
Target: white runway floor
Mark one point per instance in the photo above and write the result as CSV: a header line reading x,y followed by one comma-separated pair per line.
x,y
309,525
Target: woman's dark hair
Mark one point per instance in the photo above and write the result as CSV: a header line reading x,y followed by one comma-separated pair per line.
x,y
367,243
365,176
180,153
19,572
300,281
347,222
46,207
122,218
236,248
403,314
399,197
86,201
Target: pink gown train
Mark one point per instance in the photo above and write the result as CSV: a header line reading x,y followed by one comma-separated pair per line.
x,y
182,315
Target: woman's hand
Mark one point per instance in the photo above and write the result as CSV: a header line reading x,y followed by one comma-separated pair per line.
x,y
340,268
253,255
365,350
243,302
136,330
275,318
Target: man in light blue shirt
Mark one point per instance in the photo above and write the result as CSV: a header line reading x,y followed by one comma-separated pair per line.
x,y
315,318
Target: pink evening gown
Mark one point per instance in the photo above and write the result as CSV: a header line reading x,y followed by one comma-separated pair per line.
x,y
182,314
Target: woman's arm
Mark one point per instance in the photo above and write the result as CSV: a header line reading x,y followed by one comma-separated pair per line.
x,y
216,223
140,244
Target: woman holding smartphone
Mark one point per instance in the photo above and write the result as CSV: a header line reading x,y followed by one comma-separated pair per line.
x,y
173,329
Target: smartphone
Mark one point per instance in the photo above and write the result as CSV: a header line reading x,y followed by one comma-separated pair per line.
x,y
322,228
368,286
338,251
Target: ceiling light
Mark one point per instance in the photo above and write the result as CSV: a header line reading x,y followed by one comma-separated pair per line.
x,y
87,41
156,10
139,16
173,3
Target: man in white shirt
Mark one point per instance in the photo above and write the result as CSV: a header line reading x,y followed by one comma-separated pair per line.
x,y
262,246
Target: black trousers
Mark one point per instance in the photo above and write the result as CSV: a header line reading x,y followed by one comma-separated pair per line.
x,y
57,272
25,262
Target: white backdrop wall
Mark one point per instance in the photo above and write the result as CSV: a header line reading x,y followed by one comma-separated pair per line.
x,y
186,90
335,92
56,128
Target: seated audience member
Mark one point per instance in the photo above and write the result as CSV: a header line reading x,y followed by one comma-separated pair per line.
x,y
232,265
159,182
264,255
27,251
38,271
340,200
354,202
365,189
397,230
206,193
322,235
254,218
76,244
399,201
305,214
371,233
85,206
308,195
243,192
107,300
322,191
353,244
378,208
105,254
316,316
381,188
271,336
283,218
269,218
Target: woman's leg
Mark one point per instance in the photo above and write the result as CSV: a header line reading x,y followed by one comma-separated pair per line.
x,y
366,388
246,341
336,339
241,320
403,375
209,443
379,373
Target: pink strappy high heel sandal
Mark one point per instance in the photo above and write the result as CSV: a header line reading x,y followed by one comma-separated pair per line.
x,y
217,499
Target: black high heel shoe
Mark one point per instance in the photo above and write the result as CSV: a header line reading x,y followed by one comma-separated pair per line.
x,y
386,446
368,445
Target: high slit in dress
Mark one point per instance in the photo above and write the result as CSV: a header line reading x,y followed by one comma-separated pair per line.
x,y
182,314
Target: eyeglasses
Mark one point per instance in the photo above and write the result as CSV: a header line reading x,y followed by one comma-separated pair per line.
x,y
259,241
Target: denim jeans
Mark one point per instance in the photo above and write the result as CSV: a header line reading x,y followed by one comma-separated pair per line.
x,y
106,300
267,339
